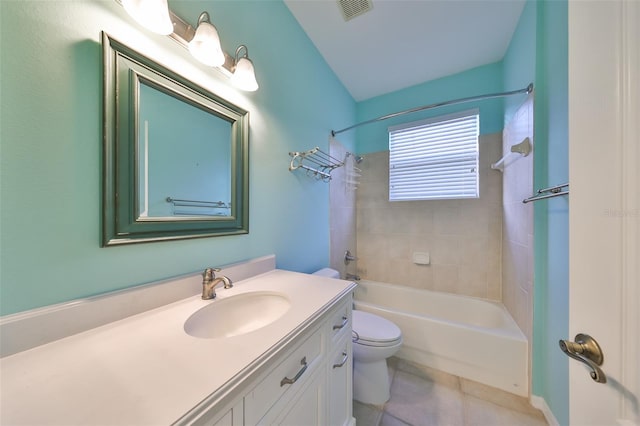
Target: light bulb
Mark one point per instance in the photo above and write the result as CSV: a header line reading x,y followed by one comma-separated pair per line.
x,y
205,45
244,77
151,14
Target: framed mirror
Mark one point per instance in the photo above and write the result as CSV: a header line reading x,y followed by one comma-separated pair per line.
x,y
175,156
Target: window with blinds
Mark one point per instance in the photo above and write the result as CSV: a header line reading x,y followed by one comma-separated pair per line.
x,y
435,158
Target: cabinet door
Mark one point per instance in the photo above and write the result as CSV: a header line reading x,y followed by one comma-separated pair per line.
x,y
309,408
226,420
234,416
340,384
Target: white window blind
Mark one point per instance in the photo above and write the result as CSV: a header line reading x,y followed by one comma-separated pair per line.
x,y
435,158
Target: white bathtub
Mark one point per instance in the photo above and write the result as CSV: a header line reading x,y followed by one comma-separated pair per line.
x,y
471,338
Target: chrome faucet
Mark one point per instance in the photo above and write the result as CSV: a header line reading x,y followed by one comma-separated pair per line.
x,y
210,281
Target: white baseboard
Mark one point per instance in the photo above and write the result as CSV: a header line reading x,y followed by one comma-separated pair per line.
x,y
541,404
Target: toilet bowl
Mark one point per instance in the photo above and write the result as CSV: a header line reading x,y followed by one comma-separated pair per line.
x,y
374,340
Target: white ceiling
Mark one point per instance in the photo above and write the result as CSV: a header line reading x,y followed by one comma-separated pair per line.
x,y
400,43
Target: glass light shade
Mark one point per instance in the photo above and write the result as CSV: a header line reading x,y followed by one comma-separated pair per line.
x,y
205,45
151,14
244,77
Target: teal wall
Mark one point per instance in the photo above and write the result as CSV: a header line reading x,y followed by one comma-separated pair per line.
x,y
538,52
51,130
551,304
519,62
476,81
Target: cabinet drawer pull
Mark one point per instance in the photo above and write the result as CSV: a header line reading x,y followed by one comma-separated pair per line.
x,y
345,357
345,321
288,381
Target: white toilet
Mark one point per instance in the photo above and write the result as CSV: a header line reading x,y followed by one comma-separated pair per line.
x,y
374,340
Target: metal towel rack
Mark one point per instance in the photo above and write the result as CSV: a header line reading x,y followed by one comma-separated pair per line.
x,y
554,191
316,162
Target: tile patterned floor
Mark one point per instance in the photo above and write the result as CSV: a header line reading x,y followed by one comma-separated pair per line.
x,y
421,396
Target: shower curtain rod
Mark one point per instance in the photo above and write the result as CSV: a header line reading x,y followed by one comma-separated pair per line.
x,y
526,90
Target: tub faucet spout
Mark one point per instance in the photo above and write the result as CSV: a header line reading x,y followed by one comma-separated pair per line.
x,y
210,281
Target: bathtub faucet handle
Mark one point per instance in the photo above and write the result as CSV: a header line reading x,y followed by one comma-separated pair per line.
x,y
348,257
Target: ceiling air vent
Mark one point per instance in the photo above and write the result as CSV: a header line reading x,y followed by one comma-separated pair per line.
x,y
352,8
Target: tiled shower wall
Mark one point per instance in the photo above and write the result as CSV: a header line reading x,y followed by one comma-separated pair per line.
x,y
517,236
480,247
342,213
462,237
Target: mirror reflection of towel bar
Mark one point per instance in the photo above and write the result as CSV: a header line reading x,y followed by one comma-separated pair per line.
x,y
198,203
554,191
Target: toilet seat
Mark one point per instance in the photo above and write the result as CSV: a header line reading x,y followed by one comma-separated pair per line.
x,y
373,330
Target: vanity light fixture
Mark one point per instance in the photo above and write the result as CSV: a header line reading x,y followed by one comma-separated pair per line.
x,y
151,14
244,76
205,44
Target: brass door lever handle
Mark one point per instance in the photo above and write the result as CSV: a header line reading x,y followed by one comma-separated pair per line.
x,y
586,350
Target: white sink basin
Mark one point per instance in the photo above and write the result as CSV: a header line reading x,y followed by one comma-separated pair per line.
x,y
237,315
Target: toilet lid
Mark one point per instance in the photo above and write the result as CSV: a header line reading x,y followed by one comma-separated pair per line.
x,y
370,329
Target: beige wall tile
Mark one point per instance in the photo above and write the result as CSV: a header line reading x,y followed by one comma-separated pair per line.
x,y
446,219
472,281
445,278
455,233
478,247
399,246
422,276
517,234
401,273
342,214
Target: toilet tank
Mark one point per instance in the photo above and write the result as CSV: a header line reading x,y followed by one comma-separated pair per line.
x,y
327,272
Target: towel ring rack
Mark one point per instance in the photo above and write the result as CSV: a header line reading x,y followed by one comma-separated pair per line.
x,y
523,148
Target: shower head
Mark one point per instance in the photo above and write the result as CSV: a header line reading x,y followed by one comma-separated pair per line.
x,y
357,158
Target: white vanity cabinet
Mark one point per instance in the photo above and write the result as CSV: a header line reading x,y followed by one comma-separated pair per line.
x,y
339,373
279,373
227,417
307,407
307,383
340,367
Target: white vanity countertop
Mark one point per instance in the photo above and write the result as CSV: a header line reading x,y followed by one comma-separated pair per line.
x,y
145,369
